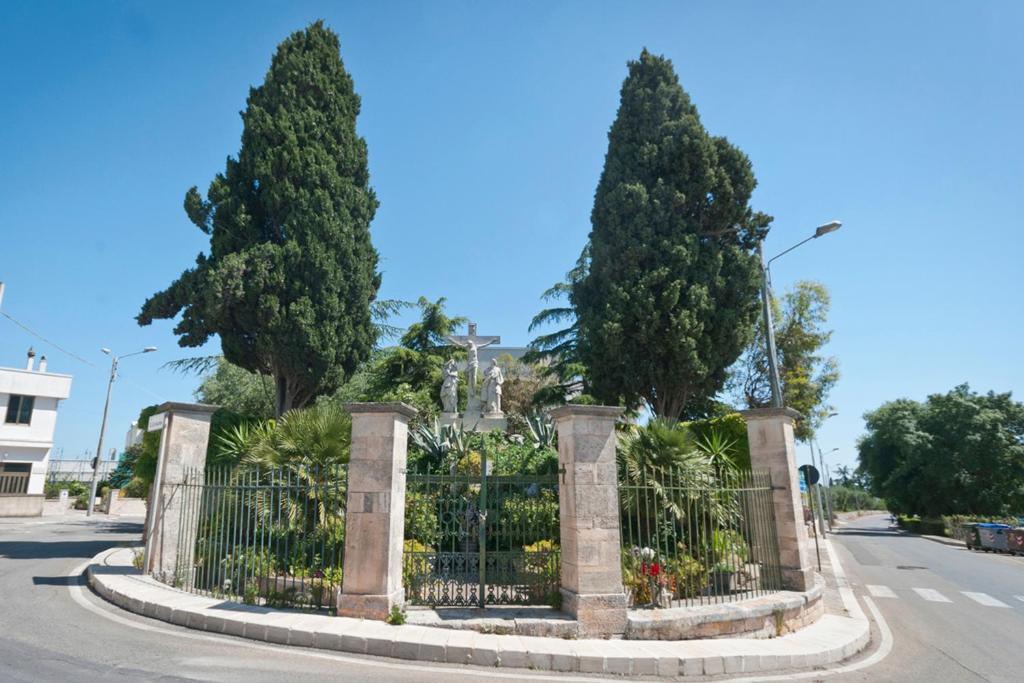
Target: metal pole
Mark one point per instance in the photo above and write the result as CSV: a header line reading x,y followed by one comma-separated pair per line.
x,y
828,488
769,329
817,490
99,446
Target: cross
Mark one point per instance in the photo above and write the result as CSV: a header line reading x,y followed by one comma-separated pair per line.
x,y
472,342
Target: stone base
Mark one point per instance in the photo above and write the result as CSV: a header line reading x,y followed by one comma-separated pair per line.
x,y
21,506
483,423
800,580
445,419
599,615
369,606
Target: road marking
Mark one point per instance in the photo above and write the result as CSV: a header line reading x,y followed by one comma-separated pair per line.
x,y
931,595
985,599
1019,597
880,591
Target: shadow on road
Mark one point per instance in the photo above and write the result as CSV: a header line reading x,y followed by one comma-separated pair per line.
x,y
868,532
48,550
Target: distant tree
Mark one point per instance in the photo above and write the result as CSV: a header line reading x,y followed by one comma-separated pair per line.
x,y
807,376
671,292
956,453
555,354
291,273
238,390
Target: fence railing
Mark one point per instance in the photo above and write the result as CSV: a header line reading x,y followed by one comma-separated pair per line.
x,y
273,537
697,540
13,483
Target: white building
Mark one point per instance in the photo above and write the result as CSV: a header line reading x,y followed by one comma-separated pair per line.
x,y
28,405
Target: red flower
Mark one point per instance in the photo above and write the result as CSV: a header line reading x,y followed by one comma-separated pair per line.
x,y
655,569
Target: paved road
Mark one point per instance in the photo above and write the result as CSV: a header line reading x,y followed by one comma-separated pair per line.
x,y
955,615
46,635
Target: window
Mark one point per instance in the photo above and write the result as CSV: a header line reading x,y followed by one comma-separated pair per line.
x,y
19,409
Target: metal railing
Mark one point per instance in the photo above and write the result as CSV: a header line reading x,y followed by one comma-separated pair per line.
x,y
273,537
687,542
13,483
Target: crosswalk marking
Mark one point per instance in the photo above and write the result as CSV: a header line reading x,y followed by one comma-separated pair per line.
x,y
985,599
931,595
881,591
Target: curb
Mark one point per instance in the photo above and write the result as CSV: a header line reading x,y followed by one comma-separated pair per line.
x,y
829,640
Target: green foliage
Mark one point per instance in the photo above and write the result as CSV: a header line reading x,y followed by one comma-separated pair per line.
x,y
52,489
723,439
729,550
807,376
238,390
542,430
318,436
145,463
531,518
125,470
421,521
956,453
396,617
670,295
849,498
291,273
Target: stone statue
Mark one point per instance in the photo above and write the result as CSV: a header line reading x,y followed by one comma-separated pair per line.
x,y
450,387
472,343
491,392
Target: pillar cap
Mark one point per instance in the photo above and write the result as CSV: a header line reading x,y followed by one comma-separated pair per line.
x,y
574,410
399,407
768,413
177,407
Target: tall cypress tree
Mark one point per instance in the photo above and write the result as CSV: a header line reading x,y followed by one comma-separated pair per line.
x,y
670,296
291,272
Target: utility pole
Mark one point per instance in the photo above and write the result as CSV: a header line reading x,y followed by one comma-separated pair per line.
x,y
103,425
769,329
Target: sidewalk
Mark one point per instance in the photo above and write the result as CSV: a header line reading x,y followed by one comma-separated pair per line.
x,y
831,639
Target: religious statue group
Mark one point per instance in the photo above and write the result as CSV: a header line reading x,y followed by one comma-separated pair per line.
x,y
490,390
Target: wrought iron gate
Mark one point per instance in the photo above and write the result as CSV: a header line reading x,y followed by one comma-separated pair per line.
x,y
475,538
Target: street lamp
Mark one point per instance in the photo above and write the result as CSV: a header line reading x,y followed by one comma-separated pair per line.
x,y
103,425
826,477
766,295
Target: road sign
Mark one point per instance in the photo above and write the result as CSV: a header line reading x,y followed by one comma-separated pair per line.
x,y
810,473
803,482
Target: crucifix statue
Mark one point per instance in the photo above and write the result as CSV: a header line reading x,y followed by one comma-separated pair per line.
x,y
472,343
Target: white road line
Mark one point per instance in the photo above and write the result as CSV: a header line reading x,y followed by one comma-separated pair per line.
x,y
880,591
931,595
1019,597
985,599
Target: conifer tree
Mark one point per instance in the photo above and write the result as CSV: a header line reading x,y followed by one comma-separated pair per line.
x,y
291,272
670,296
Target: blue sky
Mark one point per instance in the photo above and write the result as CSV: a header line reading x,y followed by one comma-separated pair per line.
x,y
486,125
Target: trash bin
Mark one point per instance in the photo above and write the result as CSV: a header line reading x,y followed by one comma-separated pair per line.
x,y
1015,540
993,537
969,531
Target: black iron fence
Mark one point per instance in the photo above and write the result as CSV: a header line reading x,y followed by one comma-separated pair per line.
x,y
474,538
272,537
688,540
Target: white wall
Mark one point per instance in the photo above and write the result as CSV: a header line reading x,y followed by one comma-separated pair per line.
x,y
31,442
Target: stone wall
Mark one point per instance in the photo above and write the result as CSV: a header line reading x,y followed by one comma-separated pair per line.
x,y
21,506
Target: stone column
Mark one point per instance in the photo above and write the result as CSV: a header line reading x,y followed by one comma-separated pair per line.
x,y
773,448
185,435
588,498
375,511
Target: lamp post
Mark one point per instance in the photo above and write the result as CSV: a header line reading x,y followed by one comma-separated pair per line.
x,y
821,467
103,425
766,302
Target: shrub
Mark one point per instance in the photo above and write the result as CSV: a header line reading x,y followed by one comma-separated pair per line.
x,y
421,522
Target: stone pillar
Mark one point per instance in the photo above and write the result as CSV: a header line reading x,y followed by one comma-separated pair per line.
x,y
773,448
375,511
588,498
111,502
185,434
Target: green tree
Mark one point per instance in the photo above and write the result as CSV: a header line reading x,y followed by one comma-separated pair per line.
x,y
956,453
238,390
671,293
807,376
291,273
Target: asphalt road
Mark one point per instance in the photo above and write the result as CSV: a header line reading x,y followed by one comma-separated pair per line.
x,y
46,634
955,615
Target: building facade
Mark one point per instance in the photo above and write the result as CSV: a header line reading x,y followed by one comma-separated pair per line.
x,y
29,398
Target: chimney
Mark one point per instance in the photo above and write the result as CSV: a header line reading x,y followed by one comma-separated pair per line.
x,y
31,359
42,364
